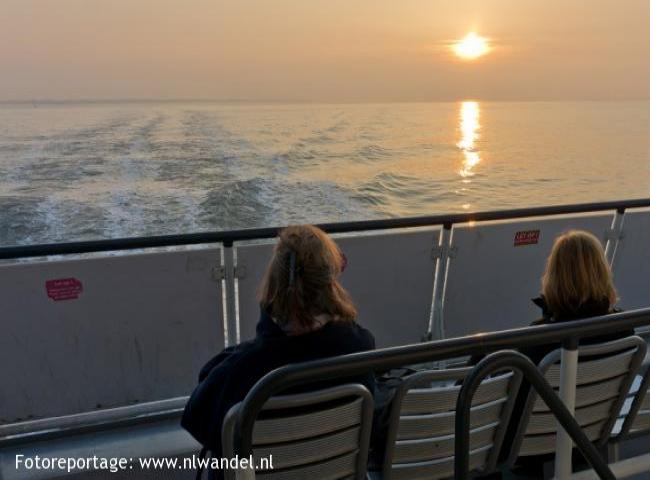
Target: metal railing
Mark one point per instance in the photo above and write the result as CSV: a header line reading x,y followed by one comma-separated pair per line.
x,y
228,237
385,359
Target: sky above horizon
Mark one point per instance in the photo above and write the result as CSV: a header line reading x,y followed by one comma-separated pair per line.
x,y
323,50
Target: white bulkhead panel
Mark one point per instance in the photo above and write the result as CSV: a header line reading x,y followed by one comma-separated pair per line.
x,y
632,261
83,334
389,276
496,268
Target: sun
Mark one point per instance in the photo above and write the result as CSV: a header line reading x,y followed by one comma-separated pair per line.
x,y
471,47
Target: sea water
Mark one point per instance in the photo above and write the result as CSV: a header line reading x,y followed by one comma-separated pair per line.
x,y
93,170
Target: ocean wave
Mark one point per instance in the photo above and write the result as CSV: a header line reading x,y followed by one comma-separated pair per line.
x,y
50,219
238,204
400,194
373,152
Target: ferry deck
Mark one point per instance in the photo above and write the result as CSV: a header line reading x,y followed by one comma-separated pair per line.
x,y
102,340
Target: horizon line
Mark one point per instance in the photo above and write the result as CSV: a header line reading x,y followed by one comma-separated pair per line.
x,y
55,101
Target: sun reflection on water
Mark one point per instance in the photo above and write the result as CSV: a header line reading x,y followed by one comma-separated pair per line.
x,y
469,129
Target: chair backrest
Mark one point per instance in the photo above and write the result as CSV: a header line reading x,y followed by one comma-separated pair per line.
x,y
323,434
605,373
420,438
635,420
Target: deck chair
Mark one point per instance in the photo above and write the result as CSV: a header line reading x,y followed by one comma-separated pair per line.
x,y
320,435
632,429
420,439
637,420
605,374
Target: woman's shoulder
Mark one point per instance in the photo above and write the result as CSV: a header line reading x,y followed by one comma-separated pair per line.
x,y
335,338
250,361
351,332
364,335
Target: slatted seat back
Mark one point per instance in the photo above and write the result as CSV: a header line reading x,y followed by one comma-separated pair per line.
x,y
641,423
605,373
635,420
317,435
420,439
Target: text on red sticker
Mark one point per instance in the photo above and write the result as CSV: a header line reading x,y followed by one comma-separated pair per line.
x,y
526,237
63,289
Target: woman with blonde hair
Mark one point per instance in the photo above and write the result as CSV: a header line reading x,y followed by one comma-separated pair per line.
x,y
305,315
577,284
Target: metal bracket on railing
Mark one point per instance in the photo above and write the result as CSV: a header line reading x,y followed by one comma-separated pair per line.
x,y
444,251
240,271
219,273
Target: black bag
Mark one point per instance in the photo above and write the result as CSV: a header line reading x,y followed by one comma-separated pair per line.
x,y
385,387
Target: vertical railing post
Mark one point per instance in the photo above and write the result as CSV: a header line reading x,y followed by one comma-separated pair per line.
x,y
614,236
568,377
231,298
442,251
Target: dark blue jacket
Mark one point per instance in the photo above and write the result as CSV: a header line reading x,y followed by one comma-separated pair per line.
x,y
227,378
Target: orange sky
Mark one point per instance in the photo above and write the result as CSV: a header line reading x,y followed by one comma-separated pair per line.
x,y
322,50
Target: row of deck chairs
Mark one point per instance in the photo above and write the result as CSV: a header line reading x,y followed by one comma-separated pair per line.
x,y
326,434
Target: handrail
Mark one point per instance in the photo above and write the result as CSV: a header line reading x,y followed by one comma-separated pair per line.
x,y
516,361
92,421
228,237
385,359
48,429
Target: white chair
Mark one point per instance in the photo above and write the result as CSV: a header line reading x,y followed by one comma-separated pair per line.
x,y
320,435
420,439
605,374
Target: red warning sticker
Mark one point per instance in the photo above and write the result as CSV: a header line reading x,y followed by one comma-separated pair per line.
x,y
63,289
526,237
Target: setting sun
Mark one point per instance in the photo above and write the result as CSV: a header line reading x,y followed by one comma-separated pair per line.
x,y
471,46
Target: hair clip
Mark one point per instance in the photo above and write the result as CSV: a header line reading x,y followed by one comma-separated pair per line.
x,y
292,268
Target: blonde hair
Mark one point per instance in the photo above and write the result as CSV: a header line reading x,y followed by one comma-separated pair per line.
x,y
577,272
301,280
